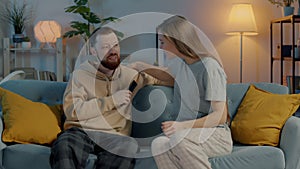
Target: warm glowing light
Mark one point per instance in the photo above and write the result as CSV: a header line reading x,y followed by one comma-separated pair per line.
x,y
47,31
242,20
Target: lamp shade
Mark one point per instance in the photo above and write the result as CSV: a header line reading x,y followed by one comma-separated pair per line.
x,y
47,31
242,20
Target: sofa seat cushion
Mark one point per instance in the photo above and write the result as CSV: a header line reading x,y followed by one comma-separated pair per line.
x,y
250,157
145,163
18,155
36,156
244,157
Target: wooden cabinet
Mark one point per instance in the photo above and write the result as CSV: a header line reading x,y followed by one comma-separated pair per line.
x,y
9,52
287,29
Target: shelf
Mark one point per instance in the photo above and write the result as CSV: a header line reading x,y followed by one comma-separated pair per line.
x,y
58,52
286,59
287,19
281,57
31,49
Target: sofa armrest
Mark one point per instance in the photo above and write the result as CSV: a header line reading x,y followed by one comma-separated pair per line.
x,y
289,142
2,145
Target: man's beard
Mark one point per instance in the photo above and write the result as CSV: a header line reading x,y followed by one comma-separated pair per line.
x,y
110,65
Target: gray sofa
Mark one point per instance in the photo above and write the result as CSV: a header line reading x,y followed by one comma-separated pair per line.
x,y
32,156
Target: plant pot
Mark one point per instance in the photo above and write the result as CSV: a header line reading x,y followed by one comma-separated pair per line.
x,y
26,45
18,38
288,10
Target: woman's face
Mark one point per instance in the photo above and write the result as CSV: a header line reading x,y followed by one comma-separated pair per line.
x,y
168,47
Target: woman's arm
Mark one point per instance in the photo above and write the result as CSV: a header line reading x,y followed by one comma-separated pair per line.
x,y
161,73
217,117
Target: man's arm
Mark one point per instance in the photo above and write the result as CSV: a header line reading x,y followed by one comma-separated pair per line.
x,y
79,105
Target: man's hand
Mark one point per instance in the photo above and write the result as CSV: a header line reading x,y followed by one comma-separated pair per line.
x,y
122,97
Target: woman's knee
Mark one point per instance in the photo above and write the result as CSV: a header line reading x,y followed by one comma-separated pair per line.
x,y
130,143
129,147
160,145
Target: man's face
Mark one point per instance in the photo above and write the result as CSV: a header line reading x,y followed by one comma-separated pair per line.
x,y
107,50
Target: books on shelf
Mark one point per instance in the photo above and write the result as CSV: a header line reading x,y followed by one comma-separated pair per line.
x,y
289,81
32,73
47,75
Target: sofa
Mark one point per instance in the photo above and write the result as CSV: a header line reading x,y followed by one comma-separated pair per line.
x,y
35,156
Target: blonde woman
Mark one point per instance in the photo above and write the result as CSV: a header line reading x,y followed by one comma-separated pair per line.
x,y
200,130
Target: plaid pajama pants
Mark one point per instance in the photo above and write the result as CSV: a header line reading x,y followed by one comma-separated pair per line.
x,y
193,150
73,146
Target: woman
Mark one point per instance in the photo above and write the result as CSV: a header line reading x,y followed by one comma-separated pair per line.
x,y
201,129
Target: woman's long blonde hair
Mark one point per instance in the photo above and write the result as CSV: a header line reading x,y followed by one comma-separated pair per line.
x,y
182,33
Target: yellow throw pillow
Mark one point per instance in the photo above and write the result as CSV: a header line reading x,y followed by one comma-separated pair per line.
x,y
26,121
261,116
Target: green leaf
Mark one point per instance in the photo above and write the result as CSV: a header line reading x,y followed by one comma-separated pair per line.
x,y
81,2
71,9
109,19
119,34
91,17
82,9
71,33
84,28
79,25
15,14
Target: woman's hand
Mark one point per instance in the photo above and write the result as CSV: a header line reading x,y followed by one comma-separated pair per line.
x,y
170,127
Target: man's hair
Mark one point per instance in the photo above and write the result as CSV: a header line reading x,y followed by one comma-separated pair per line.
x,y
99,31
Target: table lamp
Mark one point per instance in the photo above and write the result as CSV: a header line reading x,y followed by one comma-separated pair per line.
x,y
46,32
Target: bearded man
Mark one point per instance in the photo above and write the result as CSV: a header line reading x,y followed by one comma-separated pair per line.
x,y
97,109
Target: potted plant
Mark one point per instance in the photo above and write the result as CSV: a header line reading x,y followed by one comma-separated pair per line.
x,y
288,9
282,2
26,42
16,15
91,22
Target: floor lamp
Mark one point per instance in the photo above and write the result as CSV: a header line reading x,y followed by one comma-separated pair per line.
x,y
241,22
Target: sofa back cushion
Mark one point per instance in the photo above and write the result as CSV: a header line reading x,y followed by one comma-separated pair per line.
x,y
51,93
237,91
48,92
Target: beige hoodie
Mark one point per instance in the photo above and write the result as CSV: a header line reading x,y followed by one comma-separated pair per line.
x,y
88,102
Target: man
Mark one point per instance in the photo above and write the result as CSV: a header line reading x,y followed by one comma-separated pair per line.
x,y
97,109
